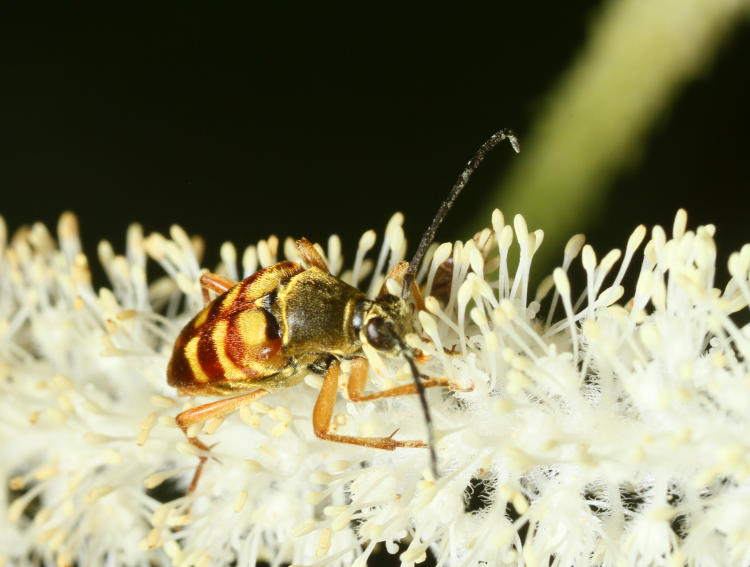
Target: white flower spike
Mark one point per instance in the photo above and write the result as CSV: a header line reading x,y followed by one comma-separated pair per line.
x,y
606,426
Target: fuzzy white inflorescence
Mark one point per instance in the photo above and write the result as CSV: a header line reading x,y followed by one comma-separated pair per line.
x,y
598,427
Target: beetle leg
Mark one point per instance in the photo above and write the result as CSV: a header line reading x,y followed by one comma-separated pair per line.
x,y
453,351
358,380
324,411
214,282
397,274
417,295
310,255
212,410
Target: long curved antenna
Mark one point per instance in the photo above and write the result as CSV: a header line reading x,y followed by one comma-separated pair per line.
x,y
458,186
426,412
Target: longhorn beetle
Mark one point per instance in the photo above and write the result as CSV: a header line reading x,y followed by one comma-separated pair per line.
x,y
268,331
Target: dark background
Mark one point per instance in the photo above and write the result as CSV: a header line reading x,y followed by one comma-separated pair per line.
x,y
318,119
308,120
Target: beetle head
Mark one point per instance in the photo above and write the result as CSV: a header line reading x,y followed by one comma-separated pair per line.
x,y
385,324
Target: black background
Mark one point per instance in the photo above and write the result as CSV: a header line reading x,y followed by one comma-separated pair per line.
x,y
306,120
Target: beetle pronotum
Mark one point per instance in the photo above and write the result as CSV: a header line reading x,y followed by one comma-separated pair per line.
x,y
271,329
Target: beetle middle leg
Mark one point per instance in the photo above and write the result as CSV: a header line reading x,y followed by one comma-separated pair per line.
x,y
211,410
310,255
323,413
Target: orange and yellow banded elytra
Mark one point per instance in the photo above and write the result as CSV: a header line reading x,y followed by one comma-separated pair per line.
x,y
234,341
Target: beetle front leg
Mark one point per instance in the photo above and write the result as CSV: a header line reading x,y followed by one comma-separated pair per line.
x,y
358,381
324,411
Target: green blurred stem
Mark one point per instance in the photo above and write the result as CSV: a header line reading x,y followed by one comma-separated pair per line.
x,y
639,54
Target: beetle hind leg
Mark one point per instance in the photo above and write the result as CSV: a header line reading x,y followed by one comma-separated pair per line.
x,y
205,412
214,282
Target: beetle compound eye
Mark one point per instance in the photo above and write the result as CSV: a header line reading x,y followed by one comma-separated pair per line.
x,y
379,334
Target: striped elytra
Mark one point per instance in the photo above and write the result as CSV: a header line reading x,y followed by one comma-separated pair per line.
x,y
233,341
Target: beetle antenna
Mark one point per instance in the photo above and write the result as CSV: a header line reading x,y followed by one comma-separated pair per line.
x,y
426,412
446,205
